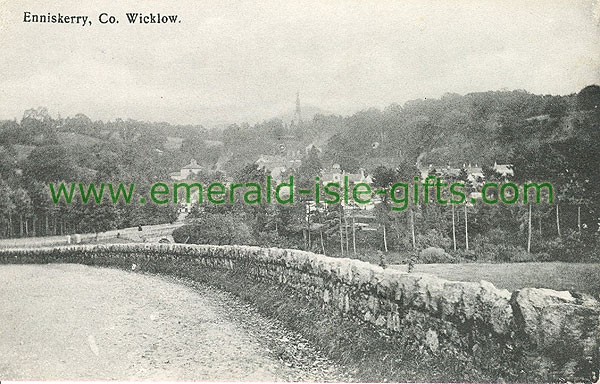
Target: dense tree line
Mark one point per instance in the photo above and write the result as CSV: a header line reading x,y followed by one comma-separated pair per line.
x,y
546,138
40,150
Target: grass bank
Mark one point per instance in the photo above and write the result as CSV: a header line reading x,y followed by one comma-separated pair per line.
x,y
368,354
560,276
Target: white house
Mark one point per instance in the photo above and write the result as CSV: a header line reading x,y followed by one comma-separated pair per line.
x,y
193,168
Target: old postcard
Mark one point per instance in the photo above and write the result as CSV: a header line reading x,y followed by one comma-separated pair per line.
x,y
303,191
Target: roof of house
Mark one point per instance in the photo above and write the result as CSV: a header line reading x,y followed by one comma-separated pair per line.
x,y
270,159
192,165
503,168
274,161
446,171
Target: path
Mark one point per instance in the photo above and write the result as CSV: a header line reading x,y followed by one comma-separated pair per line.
x,y
149,233
74,322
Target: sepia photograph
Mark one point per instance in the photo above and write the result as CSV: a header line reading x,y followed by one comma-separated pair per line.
x,y
300,191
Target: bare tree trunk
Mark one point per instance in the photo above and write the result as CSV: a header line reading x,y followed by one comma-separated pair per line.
x,y
10,225
322,243
385,247
529,231
26,227
305,237
453,228
321,235
308,225
557,221
466,229
540,225
579,218
353,235
341,235
20,225
47,228
412,226
346,233
397,226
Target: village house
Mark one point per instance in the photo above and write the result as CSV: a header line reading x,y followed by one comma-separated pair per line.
x,y
474,173
336,175
506,170
312,147
277,165
193,168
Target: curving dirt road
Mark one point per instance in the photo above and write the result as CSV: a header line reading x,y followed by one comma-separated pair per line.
x,y
70,322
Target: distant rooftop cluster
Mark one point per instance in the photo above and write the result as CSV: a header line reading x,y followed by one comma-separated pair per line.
x,y
474,172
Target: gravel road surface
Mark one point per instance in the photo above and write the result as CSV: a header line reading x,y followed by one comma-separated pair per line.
x,y
74,322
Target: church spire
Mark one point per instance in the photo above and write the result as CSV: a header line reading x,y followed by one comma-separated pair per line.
x,y
298,113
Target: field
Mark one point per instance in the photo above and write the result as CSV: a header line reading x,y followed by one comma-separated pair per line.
x,y
579,277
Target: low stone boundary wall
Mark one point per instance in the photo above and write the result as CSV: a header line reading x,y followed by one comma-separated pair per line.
x,y
555,335
149,233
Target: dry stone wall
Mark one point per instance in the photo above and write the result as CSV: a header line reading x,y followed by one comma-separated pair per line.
x,y
555,335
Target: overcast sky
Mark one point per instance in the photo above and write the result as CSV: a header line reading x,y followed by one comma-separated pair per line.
x,y
237,60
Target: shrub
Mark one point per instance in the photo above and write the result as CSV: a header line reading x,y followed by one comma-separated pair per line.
x,y
272,239
217,229
572,247
435,255
465,255
433,238
496,252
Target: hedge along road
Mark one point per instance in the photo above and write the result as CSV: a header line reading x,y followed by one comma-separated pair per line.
x,y
69,322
